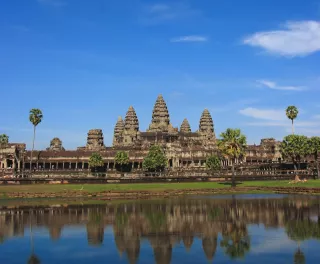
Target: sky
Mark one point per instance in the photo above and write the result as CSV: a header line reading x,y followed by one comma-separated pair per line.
x,y
83,63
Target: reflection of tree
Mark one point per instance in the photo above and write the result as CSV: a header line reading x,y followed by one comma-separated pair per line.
x,y
33,259
299,229
156,220
236,243
299,257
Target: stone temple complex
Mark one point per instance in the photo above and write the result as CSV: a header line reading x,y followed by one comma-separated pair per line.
x,y
183,147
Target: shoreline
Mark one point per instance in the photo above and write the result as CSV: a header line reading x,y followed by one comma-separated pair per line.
x,y
112,195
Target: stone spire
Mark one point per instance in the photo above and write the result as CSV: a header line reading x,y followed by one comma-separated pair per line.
x,y
160,116
206,122
118,131
95,139
131,122
185,126
56,145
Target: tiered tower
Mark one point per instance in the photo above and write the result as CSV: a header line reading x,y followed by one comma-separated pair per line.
x,y
206,128
160,117
95,140
118,132
131,127
185,126
56,145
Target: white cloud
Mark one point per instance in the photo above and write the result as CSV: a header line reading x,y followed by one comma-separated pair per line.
x,y
299,38
158,8
267,114
160,13
55,3
275,86
191,38
316,117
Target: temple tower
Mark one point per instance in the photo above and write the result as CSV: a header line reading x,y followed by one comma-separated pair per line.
x,y
185,126
118,132
95,140
160,116
56,145
131,127
206,128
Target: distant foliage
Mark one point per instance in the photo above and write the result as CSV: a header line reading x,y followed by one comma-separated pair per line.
x,y
295,147
314,149
122,158
292,113
232,143
4,140
213,163
155,160
95,160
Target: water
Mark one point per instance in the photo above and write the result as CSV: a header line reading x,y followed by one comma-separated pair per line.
x,y
208,229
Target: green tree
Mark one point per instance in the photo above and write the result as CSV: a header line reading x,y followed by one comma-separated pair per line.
x,y
314,149
35,117
236,242
292,113
213,163
122,159
95,161
155,160
299,257
232,145
4,140
295,147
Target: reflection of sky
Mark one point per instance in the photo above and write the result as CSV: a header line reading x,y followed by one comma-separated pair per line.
x,y
268,245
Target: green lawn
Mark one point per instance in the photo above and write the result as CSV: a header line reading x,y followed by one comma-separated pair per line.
x,y
40,188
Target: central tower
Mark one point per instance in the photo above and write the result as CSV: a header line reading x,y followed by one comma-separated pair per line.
x,y
160,117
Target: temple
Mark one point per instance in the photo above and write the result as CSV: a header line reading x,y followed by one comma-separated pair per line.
x,y
183,147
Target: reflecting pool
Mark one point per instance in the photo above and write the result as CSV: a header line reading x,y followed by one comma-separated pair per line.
x,y
201,229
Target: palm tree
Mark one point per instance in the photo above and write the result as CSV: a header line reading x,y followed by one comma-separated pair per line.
x,y
232,145
4,140
33,259
35,117
292,113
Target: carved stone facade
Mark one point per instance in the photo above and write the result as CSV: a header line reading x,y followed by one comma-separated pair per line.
x,y
183,148
56,145
95,140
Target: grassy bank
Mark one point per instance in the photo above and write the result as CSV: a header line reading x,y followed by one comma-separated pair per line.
x,y
156,187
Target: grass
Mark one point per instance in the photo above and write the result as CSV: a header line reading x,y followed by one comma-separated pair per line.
x,y
157,187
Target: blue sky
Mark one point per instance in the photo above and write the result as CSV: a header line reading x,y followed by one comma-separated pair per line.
x,y
85,62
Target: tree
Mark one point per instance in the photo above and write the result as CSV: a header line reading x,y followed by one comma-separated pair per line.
x,y
4,140
95,161
314,149
292,113
122,159
213,163
232,145
295,147
155,160
35,117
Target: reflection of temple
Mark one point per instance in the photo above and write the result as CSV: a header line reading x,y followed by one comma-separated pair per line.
x,y
183,147
166,225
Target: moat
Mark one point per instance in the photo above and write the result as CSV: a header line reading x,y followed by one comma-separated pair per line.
x,y
194,229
